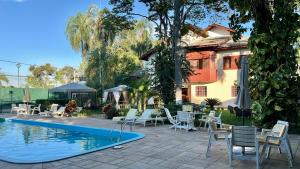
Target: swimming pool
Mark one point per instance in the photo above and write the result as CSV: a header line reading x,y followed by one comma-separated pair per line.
x,y
24,141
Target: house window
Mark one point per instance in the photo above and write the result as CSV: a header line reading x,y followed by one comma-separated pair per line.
x,y
201,91
234,91
227,63
203,63
194,64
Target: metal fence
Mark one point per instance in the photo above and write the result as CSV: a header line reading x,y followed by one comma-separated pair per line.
x,y
9,95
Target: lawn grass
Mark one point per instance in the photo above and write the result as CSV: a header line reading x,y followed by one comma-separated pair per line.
x,y
228,118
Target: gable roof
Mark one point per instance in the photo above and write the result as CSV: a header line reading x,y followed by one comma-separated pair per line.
x,y
197,30
217,43
72,87
215,25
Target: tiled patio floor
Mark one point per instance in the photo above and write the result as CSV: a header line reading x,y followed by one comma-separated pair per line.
x,y
162,148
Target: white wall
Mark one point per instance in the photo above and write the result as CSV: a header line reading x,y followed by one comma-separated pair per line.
x,y
220,89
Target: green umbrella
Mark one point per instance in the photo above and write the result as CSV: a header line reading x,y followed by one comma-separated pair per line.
x,y
243,100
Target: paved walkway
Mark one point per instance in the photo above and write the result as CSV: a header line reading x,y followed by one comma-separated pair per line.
x,y
162,148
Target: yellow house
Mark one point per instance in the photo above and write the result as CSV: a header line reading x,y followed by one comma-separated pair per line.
x,y
214,60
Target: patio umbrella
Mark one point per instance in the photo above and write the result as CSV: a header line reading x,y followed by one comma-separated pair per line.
x,y
26,97
150,101
243,100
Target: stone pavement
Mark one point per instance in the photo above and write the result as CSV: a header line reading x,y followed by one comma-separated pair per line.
x,y
161,148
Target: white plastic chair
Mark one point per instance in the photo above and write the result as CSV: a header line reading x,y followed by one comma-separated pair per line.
x,y
184,119
14,108
278,138
218,120
172,119
216,134
38,109
206,118
187,108
22,110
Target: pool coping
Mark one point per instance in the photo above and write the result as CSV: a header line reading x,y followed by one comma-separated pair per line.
x,y
14,161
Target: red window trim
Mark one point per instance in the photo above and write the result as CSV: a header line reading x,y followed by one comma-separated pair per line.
x,y
233,65
230,62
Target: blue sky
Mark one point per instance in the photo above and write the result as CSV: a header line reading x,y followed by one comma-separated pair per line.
x,y
33,32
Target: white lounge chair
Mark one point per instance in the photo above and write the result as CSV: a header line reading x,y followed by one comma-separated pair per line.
x,y
53,108
145,117
128,119
59,112
172,119
38,109
131,115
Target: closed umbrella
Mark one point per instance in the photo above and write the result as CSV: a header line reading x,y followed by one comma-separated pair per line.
x,y
150,101
26,97
243,100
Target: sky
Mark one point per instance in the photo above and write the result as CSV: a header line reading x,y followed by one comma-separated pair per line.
x,y
33,32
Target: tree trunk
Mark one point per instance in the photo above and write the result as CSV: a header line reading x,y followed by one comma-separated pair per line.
x,y
175,54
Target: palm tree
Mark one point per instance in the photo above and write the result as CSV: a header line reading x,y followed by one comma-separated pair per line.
x,y
79,33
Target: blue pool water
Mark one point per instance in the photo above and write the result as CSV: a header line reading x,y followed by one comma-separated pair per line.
x,y
23,141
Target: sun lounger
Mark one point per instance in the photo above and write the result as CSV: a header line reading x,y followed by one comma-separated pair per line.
x,y
131,115
59,112
128,119
53,108
145,117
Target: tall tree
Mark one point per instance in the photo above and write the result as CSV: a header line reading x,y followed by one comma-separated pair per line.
x,y
171,18
42,76
273,66
122,56
79,33
65,75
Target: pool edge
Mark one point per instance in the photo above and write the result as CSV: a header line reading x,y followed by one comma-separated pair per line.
x,y
139,136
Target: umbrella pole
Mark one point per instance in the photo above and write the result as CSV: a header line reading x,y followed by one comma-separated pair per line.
x,y
243,117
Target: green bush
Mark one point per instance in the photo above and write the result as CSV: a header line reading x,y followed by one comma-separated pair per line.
x,y
123,112
212,102
110,111
173,108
